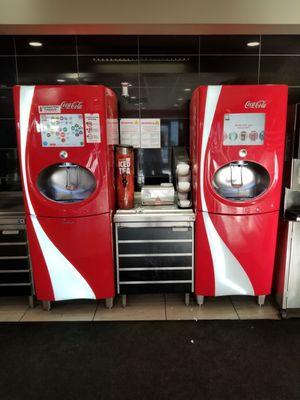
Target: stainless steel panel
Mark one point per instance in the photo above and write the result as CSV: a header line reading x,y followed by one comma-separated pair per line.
x,y
156,269
291,199
156,241
153,224
293,290
156,255
295,178
154,217
152,282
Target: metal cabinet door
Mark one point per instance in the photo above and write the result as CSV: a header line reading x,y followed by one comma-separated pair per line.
x,y
293,295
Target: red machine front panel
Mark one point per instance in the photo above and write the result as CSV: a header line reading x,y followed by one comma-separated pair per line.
x,y
237,151
71,257
235,253
65,124
212,150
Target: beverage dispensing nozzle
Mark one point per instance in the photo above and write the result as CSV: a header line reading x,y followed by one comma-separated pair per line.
x,y
236,173
71,183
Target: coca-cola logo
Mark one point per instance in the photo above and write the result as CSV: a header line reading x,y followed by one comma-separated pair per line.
x,y
256,104
74,105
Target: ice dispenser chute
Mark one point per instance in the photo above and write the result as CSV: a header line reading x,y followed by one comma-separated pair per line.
x,y
66,182
241,180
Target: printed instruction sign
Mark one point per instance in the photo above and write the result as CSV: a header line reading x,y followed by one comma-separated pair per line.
x,y
130,132
92,128
150,133
112,129
50,109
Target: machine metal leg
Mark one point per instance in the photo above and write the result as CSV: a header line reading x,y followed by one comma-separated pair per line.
x,y
46,305
109,302
124,300
283,314
187,299
31,301
200,300
261,300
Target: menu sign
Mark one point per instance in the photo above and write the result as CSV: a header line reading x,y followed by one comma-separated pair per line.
x,y
130,132
150,133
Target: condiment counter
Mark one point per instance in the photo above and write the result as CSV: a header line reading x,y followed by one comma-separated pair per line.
x,y
154,250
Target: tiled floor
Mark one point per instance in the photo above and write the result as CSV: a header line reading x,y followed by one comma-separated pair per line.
x,y
139,307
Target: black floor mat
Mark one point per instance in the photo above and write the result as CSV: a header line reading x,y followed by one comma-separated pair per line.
x,y
150,360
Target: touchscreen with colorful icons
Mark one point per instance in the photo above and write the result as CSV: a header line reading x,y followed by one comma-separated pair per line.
x,y
244,129
61,130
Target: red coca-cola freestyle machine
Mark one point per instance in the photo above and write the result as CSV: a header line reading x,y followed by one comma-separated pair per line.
x,y
65,141
237,151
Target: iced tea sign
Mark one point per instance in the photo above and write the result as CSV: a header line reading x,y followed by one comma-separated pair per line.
x,y
124,166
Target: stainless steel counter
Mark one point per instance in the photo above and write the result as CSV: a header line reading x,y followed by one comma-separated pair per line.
x,y
154,250
154,213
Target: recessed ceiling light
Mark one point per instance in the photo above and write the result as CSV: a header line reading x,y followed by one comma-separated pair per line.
x,y
35,44
179,99
60,80
253,44
187,89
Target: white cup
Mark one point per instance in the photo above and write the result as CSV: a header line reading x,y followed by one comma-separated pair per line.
x,y
184,187
184,203
182,168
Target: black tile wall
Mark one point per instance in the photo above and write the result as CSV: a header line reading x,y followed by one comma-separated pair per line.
x,y
58,45
280,69
7,133
228,69
7,46
43,70
228,44
8,71
6,101
107,45
162,70
280,44
169,44
108,70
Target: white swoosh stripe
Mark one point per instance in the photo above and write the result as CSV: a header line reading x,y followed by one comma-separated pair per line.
x,y
230,277
67,282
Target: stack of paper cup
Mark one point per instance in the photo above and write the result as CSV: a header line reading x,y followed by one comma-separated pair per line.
x,y
183,183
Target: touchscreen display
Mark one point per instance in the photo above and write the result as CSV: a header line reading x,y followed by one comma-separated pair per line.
x,y
244,129
61,130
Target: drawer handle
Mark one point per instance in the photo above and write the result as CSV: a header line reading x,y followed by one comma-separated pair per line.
x,y
10,232
180,229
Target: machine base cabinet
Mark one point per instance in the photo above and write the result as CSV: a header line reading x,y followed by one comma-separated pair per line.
x,y
154,257
59,236
231,249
